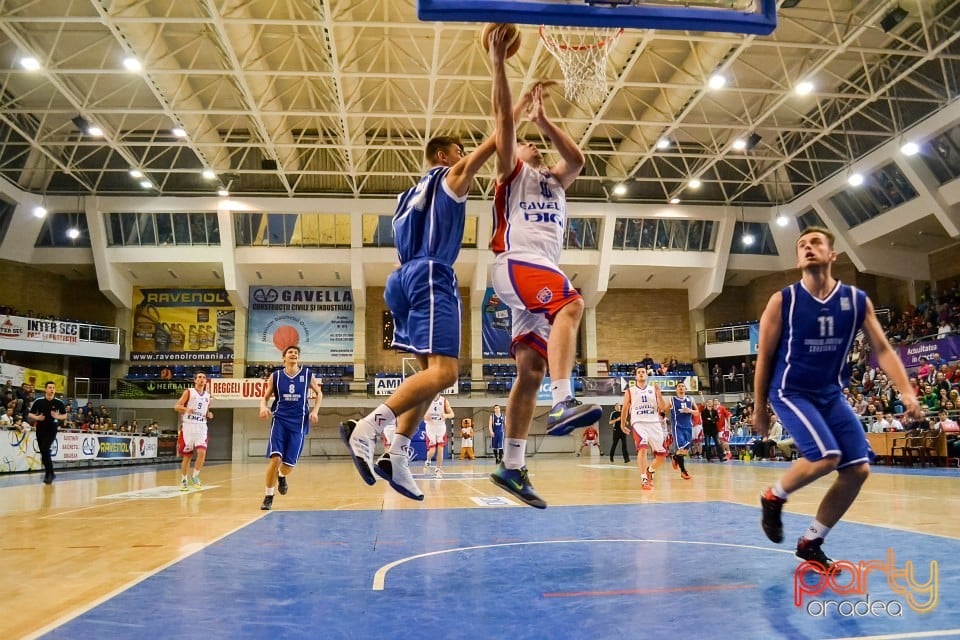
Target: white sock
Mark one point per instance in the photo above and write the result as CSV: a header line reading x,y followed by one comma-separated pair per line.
x,y
514,453
269,491
816,530
778,491
561,390
378,419
398,446
196,474
183,478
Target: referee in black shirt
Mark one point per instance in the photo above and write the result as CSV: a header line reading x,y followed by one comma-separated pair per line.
x,y
46,413
618,434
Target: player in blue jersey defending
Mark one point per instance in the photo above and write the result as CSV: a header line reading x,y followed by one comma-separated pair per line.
x,y
423,297
806,332
292,416
682,411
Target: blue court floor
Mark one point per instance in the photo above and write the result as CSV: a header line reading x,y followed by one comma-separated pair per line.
x,y
678,571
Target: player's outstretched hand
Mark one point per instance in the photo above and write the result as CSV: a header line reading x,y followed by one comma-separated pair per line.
x,y
913,407
498,43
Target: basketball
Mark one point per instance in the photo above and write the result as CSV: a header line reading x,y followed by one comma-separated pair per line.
x,y
285,336
513,37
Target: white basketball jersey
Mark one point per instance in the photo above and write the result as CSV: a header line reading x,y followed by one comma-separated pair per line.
x,y
529,213
643,405
197,407
435,412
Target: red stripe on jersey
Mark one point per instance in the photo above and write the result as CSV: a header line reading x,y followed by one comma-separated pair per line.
x,y
501,216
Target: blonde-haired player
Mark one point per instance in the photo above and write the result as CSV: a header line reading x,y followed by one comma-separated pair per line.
x,y
642,404
194,404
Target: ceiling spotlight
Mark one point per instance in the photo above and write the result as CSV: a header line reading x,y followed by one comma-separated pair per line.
x,y
73,233
717,81
146,184
782,220
803,88
910,149
136,173
694,183
95,131
747,239
39,211
855,179
30,63
209,174
178,132
223,193
663,143
674,200
620,189
132,64
739,144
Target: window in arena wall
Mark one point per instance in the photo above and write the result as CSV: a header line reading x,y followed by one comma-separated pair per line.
x,y
883,189
6,216
56,228
941,154
631,234
810,219
582,233
762,244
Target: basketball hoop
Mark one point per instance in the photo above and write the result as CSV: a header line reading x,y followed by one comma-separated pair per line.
x,y
582,54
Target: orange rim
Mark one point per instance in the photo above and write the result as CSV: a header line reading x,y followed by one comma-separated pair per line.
x,y
579,47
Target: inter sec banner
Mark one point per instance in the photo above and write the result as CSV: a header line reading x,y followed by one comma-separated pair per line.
x,y
496,326
182,325
319,320
946,348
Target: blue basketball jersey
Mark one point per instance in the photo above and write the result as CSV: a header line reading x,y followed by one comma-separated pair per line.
x,y
429,220
290,406
681,420
816,337
498,422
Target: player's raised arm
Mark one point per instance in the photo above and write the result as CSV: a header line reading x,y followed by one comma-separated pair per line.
x,y
571,158
505,115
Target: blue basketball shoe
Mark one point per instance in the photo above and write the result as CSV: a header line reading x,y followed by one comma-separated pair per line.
x,y
517,482
571,414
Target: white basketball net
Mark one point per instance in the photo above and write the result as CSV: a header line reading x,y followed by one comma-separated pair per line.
x,y
582,54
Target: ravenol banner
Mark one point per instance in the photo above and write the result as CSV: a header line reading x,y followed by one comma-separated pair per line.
x,y
319,320
182,325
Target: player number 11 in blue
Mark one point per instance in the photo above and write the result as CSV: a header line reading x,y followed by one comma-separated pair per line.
x,y
826,326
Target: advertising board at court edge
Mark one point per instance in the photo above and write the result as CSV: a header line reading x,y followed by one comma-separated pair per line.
x,y
845,588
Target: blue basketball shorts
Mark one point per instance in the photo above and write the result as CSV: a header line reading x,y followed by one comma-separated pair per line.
x,y
682,436
822,426
425,303
286,441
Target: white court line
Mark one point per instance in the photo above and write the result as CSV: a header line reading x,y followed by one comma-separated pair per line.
x,y
942,633
79,611
379,578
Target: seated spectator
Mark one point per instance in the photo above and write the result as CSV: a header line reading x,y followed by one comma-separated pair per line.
x,y
894,423
931,399
153,429
765,448
134,427
6,419
944,330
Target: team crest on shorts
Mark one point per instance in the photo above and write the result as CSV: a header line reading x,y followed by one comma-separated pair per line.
x,y
545,295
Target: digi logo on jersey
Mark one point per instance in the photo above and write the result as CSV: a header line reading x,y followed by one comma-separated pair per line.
x,y
265,295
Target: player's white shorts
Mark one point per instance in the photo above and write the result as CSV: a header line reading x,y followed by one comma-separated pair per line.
x,y
192,436
591,443
436,433
650,435
535,289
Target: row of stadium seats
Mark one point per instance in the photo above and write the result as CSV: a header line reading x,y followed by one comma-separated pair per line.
x,y
174,372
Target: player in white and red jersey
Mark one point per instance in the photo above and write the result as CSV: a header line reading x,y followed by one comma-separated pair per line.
x,y
436,418
642,404
529,222
194,405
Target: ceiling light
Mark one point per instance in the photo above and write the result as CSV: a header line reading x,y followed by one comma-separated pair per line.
x,y
783,220
39,211
209,174
300,273
747,239
30,63
803,88
739,144
694,183
132,64
259,275
223,193
95,131
910,148
136,173
855,179
73,233
674,200
620,189
663,143
717,81
146,184
178,132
